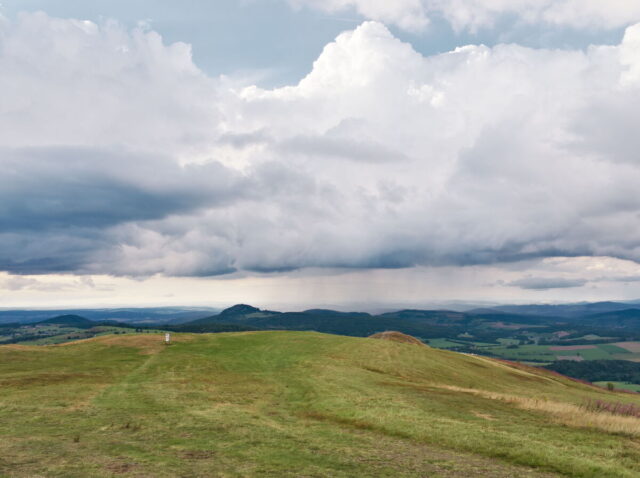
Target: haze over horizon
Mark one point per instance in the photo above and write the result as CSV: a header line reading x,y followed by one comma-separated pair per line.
x,y
299,153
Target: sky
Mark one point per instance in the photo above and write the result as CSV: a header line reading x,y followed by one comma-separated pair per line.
x,y
303,153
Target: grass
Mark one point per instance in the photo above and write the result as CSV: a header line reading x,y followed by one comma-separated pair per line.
x,y
297,404
613,349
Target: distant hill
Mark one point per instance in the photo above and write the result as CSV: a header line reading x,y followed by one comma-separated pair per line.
x,y
327,312
239,310
81,322
618,318
485,325
327,321
437,315
631,313
562,310
69,321
233,319
141,315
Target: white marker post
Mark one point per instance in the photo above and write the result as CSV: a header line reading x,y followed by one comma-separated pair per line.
x,y
167,338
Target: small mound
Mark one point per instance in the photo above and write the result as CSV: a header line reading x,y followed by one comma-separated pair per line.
x,y
397,337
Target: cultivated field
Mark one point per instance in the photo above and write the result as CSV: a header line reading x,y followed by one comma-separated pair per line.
x,y
548,353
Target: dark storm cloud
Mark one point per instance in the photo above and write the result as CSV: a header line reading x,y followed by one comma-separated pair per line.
x,y
58,205
77,188
546,283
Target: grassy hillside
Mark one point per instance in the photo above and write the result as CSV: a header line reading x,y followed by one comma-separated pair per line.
x,y
297,404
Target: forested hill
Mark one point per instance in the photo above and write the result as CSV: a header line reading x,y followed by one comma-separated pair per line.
x,y
485,325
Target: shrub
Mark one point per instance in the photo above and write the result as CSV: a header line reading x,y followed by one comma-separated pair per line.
x,y
616,408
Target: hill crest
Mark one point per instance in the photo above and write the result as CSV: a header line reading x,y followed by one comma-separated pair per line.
x,y
399,337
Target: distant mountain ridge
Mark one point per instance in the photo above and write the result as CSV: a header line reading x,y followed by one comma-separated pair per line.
x,y
84,323
563,310
484,324
133,315
178,315
487,325
69,321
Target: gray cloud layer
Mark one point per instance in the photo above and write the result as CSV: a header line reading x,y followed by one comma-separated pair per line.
x,y
546,283
119,156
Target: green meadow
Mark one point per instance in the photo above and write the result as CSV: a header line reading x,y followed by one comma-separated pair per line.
x,y
632,387
293,404
540,354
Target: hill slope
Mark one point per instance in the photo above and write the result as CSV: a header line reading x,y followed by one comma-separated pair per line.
x,y
297,404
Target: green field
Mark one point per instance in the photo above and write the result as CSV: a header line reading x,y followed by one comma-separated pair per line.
x,y
292,404
443,343
632,387
542,353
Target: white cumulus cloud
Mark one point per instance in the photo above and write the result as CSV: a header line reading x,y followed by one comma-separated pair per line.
x,y
118,156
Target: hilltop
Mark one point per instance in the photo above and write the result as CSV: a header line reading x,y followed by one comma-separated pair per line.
x,y
397,337
298,404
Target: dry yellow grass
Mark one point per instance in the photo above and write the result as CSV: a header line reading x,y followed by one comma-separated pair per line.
x,y
23,348
565,413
